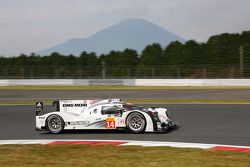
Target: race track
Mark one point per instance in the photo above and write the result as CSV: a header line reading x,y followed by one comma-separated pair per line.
x,y
219,94
199,123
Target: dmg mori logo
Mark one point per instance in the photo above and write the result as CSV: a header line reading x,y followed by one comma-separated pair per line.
x,y
74,105
80,105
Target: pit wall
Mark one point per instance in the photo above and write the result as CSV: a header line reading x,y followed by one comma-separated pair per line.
x,y
125,82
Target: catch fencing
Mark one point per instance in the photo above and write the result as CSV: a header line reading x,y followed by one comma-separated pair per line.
x,y
124,72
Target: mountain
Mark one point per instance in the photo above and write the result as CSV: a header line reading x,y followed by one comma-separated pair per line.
x,y
130,33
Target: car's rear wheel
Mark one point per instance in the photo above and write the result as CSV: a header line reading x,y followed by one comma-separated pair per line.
x,y
136,123
55,124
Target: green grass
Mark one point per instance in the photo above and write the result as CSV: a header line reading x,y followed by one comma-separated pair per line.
x,y
112,156
118,87
180,101
47,102
133,88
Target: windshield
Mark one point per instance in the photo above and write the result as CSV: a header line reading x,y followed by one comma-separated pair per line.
x,y
129,107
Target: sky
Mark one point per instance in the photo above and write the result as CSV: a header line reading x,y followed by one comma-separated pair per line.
x,y
31,25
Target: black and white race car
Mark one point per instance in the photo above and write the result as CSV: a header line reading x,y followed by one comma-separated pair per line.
x,y
102,114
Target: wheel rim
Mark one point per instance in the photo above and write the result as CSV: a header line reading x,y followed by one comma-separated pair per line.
x,y
55,124
136,123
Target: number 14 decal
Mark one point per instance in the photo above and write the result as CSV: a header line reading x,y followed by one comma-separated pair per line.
x,y
110,123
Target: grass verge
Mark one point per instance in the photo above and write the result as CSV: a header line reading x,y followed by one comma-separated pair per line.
x,y
132,156
149,101
118,87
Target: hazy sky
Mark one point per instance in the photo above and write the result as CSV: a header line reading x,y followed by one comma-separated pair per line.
x,y
30,25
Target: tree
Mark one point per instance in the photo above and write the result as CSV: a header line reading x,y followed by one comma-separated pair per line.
x,y
130,57
245,43
223,49
173,54
152,55
192,53
88,59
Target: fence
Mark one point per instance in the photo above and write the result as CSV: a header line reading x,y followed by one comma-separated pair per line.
x,y
125,72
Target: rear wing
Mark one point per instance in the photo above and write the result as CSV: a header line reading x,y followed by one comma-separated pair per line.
x,y
39,107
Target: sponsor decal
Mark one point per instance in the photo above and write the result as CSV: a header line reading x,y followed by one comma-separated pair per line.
x,y
98,123
79,123
121,121
110,123
80,105
91,102
74,105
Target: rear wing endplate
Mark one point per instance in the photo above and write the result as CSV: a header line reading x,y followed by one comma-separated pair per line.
x,y
39,107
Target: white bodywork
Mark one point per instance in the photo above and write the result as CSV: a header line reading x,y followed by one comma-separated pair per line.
x,y
87,114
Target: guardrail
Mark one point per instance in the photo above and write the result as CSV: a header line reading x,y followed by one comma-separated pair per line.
x,y
125,82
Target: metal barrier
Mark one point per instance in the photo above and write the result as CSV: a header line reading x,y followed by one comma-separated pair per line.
x,y
125,82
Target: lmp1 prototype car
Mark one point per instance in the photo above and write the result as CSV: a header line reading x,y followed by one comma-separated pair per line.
x,y
102,114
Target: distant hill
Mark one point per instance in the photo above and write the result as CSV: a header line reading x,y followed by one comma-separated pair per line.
x,y
130,33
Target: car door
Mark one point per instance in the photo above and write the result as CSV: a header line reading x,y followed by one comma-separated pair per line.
x,y
96,119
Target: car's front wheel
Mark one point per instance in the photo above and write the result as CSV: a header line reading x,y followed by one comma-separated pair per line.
x,y
136,122
55,124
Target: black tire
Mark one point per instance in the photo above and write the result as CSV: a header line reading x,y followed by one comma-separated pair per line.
x,y
55,124
136,122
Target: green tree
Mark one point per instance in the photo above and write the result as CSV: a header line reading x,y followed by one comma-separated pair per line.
x,y
192,53
173,54
223,49
245,43
130,57
152,55
88,59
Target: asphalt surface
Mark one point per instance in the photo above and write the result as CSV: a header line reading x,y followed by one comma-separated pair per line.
x,y
199,123
220,94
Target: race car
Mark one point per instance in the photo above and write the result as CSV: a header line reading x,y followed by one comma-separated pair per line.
x,y
102,114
